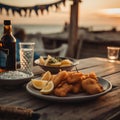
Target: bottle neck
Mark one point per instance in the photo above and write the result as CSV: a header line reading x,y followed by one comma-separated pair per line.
x,y
7,29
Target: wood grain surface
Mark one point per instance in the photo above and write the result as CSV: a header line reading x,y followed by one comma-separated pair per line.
x,y
106,107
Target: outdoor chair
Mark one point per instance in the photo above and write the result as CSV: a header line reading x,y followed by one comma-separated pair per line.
x,y
60,51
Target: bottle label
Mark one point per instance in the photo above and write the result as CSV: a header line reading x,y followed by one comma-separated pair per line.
x,y
3,57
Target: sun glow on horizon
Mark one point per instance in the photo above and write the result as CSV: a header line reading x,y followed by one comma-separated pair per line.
x,y
111,12
91,13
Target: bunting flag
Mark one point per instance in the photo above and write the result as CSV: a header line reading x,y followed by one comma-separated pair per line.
x,y
36,8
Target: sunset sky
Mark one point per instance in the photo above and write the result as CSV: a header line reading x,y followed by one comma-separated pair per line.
x,y
91,13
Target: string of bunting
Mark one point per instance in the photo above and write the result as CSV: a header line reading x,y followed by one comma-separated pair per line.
x,y
36,8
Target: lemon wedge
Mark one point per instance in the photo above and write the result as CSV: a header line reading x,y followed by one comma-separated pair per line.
x,y
46,76
48,88
38,84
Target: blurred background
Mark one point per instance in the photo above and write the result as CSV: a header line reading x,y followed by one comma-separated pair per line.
x,y
100,14
94,15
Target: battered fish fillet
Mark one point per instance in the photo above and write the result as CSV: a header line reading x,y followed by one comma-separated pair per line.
x,y
53,77
63,90
76,87
91,86
61,83
84,76
93,75
60,77
74,77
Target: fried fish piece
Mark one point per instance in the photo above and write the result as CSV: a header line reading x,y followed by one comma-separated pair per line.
x,y
84,76
63,90
92,86
74,77
77,87
61,83
53,77
93,75
61,76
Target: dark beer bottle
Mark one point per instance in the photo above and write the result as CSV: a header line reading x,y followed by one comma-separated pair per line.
x,y
7,48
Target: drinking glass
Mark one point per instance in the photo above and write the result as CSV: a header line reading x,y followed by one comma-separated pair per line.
x,y
26,56
113,53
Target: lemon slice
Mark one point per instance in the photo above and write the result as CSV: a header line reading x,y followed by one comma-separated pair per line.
x,y
46,76
48,88
39,84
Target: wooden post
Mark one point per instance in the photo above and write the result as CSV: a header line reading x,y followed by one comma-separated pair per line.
x,y
73,31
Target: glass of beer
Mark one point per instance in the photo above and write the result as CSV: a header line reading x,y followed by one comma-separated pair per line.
x,y
26,56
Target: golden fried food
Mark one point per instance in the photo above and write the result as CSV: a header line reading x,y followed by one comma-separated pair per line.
x,y
63,90
73,82
93,75
53,77
55,61
61,83
41,60
91,86
74,77
66,62
76,87
90,75
60,77
85,76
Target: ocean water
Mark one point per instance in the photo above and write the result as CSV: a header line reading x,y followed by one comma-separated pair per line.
x,y
44,29
37,28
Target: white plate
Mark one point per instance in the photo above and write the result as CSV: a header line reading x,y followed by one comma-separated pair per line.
x,y
107,86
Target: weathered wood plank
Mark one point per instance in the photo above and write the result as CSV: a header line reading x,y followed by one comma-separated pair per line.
x,y
73,31
103,69
82,111
114,78
89,62
21,98
101,108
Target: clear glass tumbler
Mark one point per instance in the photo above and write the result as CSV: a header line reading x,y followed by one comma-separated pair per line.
x,y
113,53
26,56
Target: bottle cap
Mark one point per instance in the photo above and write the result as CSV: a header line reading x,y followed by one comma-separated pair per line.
x,y
7,22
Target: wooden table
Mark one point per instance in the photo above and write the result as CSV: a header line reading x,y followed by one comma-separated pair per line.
x,y
106,107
